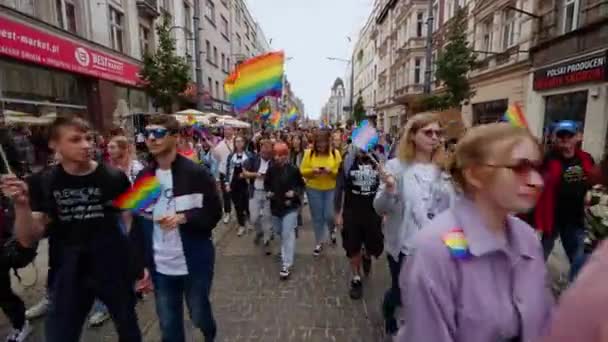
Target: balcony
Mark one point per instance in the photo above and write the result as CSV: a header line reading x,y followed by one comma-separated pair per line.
x,y
407,93
148,8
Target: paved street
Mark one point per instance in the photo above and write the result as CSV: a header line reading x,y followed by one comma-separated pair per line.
x,y
252,304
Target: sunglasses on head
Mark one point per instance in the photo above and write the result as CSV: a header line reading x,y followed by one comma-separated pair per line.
x,y
429,133
521,166
156,133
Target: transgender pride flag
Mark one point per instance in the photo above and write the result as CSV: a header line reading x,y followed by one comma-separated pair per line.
x,y
365,136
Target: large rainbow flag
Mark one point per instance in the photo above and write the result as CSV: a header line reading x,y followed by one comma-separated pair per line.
x,y
255,78
275,120
292,116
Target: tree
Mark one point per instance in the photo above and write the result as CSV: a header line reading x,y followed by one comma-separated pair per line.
x,y
359,110
453,65
164,74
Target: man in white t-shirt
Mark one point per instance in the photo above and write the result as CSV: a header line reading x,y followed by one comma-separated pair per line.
x,y
221,152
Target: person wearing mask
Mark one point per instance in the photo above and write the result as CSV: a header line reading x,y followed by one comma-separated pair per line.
x,y
283,182
236,183
567,173
259,206
175,234
320,170
477,272
221,151
73,198
414,191
362,237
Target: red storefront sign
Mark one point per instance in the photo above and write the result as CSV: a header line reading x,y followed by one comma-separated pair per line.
x,y
589,69
29,44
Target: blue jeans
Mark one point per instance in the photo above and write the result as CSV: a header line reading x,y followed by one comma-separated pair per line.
x,y
572,239
321,203
170,292
578,264
285,226
392,297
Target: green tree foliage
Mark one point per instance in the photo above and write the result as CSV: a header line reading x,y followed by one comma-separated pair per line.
x,y
453,65
164,74
359,110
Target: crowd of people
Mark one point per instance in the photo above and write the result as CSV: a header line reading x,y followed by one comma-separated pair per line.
x,y
466,228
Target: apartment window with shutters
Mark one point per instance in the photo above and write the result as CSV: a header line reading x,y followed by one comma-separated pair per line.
x,y
116,29
417,70
419,23
508,28
571,9
144,40
210,11
66,15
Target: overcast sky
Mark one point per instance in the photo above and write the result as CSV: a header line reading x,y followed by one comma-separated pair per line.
x,y
309,31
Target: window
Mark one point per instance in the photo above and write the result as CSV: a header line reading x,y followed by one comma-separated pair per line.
x,y
210,86
217,90
417,70
215,55
571,9
116,29
144,40
237,15
208,50
435,15
419,24
246,30
66,15
223,62
187,17
239,41
487,35
210,11
228,65
489,112
224,27
508,28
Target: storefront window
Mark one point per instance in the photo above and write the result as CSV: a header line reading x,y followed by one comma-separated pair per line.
x,y
569,106
488,112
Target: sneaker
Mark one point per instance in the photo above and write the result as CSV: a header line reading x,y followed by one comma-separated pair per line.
x,y
356,289
19,335
226,218
98,318
284,274
267,250
38,310
317,251
241,231
367,265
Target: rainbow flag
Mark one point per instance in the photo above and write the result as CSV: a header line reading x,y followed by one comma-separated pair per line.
x,y
365,136
292,116
457,243
264,114
275,120
515,116
190,154
255,78
141,195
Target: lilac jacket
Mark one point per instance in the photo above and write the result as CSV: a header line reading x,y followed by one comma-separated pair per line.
x,y
498,293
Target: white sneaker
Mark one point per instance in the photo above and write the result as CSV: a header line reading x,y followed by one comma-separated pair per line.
x,y
226,218
98,318
241,231
38,310
19,335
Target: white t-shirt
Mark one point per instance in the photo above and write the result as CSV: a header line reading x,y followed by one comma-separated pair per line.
x,y
168,249
258,184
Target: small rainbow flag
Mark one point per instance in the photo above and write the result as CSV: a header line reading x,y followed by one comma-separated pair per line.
x,y
365,136
141,195
292,116
264,114
457,243
254,79
515,116
275,120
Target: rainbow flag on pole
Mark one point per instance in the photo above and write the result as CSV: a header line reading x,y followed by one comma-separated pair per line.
x,y
141,195
254,79
292,116
515,116
275,120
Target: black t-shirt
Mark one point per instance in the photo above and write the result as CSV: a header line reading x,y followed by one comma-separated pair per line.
x,y
571,192
237,181
279,180
80,207
362,183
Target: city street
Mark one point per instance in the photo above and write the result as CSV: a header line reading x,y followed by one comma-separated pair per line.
x,y
252,304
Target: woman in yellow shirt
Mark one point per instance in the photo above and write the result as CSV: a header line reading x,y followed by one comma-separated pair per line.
x,y
320,169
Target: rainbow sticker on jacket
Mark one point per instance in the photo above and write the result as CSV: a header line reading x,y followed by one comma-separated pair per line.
x,y
457,244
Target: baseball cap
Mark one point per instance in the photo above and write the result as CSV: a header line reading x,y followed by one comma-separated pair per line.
x,y
566,126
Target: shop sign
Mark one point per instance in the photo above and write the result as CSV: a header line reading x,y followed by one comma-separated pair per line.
x,y
32,45
583,70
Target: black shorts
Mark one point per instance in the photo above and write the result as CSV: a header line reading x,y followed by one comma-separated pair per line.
x,y
362,231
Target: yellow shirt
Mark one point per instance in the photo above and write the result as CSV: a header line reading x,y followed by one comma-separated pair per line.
x,y
330,162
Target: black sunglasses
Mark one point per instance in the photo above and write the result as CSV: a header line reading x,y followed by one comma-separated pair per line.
x,y
156,133
429,133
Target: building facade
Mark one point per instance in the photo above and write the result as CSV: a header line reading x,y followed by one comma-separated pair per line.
x,y
365,68
334,108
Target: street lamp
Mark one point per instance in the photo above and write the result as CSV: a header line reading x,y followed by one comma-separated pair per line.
x,y
352,79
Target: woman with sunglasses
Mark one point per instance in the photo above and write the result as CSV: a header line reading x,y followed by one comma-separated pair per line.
x,y
415,189
477,273
236,183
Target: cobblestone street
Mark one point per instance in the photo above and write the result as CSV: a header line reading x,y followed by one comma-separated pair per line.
x,y
252,304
